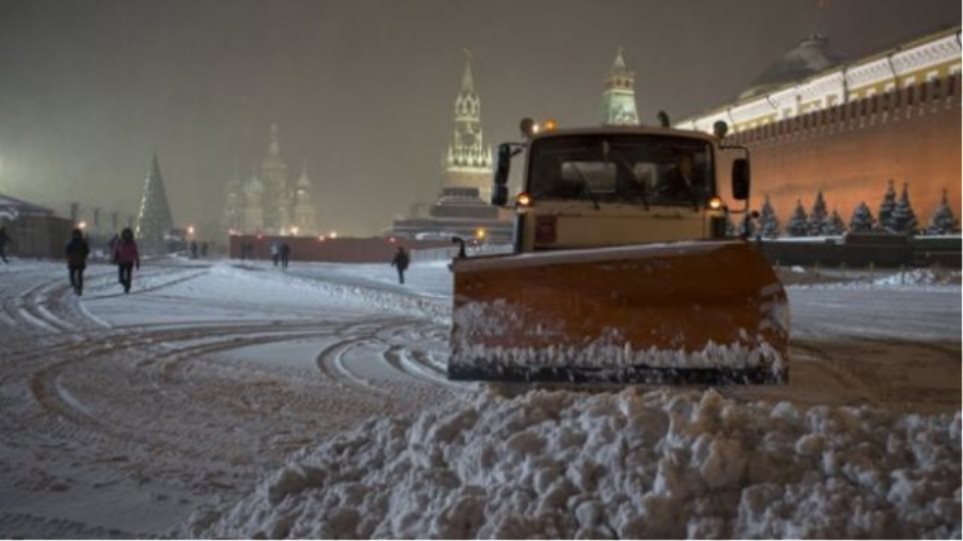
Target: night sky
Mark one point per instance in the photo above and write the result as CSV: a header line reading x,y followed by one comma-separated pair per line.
x,y
362,90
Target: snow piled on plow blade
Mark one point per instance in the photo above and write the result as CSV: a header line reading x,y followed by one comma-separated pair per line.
x,y
694,312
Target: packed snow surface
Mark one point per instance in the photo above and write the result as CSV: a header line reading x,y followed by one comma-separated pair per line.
x,y
126,413
634,464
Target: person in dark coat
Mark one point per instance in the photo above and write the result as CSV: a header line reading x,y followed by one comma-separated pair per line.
x,y
77,251
126,257
400,262
285,252
193,248
4,239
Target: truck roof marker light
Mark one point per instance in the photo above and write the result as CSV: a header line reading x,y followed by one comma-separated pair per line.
x,y
528,127
549,125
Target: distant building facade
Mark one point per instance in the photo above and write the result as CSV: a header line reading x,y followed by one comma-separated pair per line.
x,y
267,202
813,123
35,230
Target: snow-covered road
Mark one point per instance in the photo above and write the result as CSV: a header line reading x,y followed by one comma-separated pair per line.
x,y
123,413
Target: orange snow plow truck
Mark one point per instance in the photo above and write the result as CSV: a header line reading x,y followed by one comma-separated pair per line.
x,y
623,268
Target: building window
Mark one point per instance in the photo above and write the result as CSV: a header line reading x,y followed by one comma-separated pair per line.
x,y
909,81
932,75
889,87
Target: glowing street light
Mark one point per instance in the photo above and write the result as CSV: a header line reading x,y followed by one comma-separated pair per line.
x,y
294,231
82,225
190,230
333,235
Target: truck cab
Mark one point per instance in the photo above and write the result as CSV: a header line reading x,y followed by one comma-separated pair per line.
x,y
619,185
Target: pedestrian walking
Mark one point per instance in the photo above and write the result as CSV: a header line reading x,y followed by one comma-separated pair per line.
x,y
77,251
400,262
275,252
4,239
126,257
285,252
193,248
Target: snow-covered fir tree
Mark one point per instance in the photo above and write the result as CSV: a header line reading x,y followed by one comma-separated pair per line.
x,y
887,207
862,220
819,218
903,218
768,222
943,221
798,225
835,225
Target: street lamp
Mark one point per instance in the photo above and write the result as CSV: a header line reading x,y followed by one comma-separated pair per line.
x,y
82,225
294,231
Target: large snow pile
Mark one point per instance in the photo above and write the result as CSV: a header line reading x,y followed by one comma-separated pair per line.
x,y
658,464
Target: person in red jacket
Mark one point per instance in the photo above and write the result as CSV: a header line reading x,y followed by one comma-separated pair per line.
x,y
126,257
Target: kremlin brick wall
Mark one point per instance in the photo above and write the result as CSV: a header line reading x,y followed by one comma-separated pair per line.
x,y
851,151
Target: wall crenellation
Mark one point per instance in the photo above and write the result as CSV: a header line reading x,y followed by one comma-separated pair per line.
x,y
935,96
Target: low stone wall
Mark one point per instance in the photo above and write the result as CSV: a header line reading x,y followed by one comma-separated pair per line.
x,y
339,250
891,251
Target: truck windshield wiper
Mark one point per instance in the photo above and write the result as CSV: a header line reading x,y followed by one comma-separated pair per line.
x,y
638,179
585,186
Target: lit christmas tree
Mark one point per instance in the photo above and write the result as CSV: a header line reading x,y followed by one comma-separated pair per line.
x,y
943,221
798,225
768,222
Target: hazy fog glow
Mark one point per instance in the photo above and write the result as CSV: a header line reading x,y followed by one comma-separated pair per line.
x,y
362,90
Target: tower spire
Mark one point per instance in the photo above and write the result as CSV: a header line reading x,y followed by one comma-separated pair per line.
x,y
618,99
275,147
467,81
469,160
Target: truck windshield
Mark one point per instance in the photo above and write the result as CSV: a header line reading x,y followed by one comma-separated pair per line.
x,y
649,169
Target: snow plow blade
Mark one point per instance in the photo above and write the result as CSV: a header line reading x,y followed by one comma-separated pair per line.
x,y
709,312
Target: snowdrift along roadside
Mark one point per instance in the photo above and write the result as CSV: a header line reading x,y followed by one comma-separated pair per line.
x,y
665,463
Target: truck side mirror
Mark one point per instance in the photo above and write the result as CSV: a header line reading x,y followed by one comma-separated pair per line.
x,y
499,195
502,169
740,179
